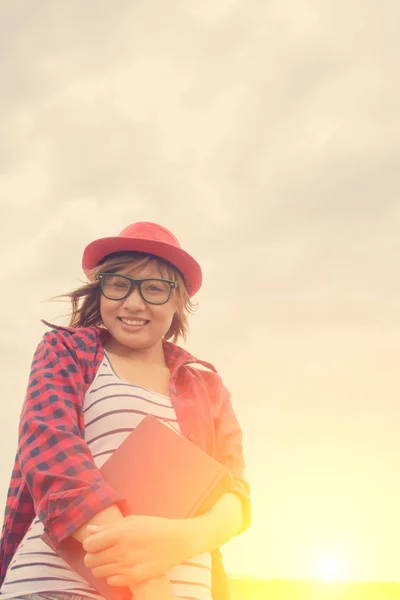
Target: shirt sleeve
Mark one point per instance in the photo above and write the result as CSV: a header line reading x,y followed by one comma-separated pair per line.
x,y
66,486
229,451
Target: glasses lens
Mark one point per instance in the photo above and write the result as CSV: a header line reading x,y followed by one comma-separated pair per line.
x,y
115,286
155,291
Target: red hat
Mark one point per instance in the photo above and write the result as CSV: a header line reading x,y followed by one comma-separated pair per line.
x,y
151,239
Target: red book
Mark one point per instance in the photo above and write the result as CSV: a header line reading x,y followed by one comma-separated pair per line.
x,y
160,473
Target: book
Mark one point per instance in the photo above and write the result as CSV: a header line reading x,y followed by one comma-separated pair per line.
x,y
159,473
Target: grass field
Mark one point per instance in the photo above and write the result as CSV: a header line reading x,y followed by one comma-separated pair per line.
x,y
280,589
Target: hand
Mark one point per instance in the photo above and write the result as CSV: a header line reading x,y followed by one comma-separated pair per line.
x,y
136,548
155,589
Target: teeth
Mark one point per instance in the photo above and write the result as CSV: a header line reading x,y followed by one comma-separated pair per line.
x,y
133,321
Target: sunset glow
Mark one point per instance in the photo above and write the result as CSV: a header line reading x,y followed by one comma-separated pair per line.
x,y
331,567
266,137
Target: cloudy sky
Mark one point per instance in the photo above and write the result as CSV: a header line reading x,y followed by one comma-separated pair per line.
x,y
266,136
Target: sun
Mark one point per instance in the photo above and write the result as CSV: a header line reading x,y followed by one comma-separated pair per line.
x,y
331,567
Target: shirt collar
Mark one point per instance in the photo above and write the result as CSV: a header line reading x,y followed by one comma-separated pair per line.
x,y
175,356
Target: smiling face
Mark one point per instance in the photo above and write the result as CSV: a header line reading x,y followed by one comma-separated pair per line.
x,y
133,323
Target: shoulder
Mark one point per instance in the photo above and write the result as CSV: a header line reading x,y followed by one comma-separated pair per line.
x,y
82,345
79,337
202,371
207,376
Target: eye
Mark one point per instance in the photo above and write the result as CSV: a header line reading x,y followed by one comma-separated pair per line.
x,y
155,287
116,282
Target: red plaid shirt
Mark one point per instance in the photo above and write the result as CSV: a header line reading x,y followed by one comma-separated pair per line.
x,y
54,474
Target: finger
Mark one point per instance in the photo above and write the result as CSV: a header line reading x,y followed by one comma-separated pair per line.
x,y
103,557
130,576
108,570
96,542
96,528
120,580
93,528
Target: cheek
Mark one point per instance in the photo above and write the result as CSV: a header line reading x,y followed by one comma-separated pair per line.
x,y
166,315
106,308
172,308
101,306
103,314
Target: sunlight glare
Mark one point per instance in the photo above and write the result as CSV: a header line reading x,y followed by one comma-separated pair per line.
x,y
331,568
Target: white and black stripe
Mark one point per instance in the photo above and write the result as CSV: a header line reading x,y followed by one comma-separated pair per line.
x,y
112,409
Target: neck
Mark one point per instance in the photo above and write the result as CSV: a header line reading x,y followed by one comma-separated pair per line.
x,y
153,355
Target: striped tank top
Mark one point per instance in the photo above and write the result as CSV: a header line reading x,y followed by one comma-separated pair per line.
x,y
112,409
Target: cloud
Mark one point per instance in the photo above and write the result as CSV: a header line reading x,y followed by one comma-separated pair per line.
x,y
271,127
266,136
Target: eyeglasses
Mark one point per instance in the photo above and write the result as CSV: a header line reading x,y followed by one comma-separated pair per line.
x,y
118,287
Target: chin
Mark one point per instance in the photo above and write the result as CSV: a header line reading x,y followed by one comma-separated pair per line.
x,y
137,344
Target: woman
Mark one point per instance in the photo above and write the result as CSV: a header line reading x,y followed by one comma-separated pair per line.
x,y
90,385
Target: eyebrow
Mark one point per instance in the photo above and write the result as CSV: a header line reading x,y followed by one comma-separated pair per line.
x,y
135,276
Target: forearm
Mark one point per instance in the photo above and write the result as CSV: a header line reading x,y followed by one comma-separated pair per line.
x,y
159,588
215,528
111,514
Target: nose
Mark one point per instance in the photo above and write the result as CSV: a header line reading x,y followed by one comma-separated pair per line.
x,y
134,300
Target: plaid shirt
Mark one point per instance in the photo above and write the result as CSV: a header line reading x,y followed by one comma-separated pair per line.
x,y
54,474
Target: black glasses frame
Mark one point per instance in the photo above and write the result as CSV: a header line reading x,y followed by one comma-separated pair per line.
x,y
136,283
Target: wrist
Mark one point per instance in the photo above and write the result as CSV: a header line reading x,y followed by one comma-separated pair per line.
x,y
216,527
197,535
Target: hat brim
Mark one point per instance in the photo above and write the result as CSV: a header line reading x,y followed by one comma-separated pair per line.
x,y
184,262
